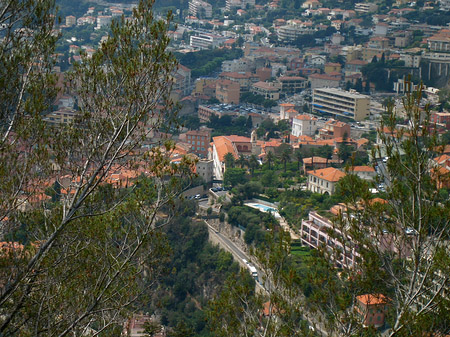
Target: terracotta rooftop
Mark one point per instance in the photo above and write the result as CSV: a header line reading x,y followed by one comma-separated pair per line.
x,y
305,118
375,299
329,174
362,169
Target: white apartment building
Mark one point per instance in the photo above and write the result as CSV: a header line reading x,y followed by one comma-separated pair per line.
x,y
304,125
206,41
366,7
200,9
235,4
335,101
324,180
315,232
294,29
103,20
241,65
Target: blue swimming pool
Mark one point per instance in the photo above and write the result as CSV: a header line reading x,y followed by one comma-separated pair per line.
x,y
264,208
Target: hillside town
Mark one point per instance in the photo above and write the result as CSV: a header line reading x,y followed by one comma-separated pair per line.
x,y
279,105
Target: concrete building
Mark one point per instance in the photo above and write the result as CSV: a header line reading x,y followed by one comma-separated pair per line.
x,y
103,20
304,125
335,129
364,172
324,81
286,109
71,20
64,115
366,7
293,29
343,103
199,141
200,9
354,67
324,180
292,84
440,42
241,65
206,41
372,309
441,118
318,231
332,68
228,91
270,90
231,5
205,169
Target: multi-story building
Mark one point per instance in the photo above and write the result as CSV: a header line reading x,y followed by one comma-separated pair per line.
x,y
62,116
200,9
70,20
324,180
294,29
205,113
205,169
206,41
441,118
228,91
444,5
366,7
373,309
364,172
245,80
182,80
292,84
199,141
270,90
318,231
324,80
103,20
241,65
439,42
335,129
354,66
304,125
235,4
348,104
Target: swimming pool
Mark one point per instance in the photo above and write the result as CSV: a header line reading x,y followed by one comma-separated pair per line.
x,y
264,208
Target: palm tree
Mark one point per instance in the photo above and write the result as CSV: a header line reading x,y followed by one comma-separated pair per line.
x,y
286,156
229,160
241,161
298,155
253,163
270,158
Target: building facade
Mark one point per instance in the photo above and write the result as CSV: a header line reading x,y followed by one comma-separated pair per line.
x,y
199,141
315,232
304,125
324,180
339,102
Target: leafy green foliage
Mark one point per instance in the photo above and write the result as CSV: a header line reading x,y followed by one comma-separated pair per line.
x,y
205,62
198,269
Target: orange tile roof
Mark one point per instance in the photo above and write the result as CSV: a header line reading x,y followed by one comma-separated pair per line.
x,y
317,160
235,138
305,117
223,145
375,299
362,169
329,174
442,159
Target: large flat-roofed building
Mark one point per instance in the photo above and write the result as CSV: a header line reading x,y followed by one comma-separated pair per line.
x,y
200,9
206,41
343,103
